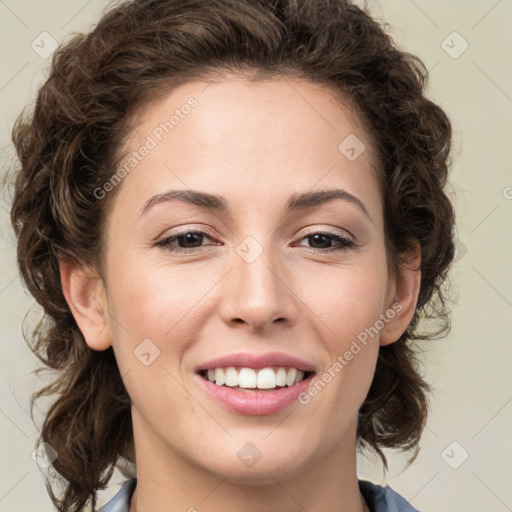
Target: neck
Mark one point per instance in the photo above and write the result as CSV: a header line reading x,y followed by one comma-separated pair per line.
x,y
168,480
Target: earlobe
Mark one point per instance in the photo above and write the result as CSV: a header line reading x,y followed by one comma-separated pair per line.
x,y
85,294
401,307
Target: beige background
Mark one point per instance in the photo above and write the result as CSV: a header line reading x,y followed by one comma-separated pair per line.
x,y
470,369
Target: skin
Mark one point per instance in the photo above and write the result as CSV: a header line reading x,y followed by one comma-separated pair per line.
x,y
256,144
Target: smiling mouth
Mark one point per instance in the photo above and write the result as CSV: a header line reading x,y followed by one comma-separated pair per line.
x,y
292,380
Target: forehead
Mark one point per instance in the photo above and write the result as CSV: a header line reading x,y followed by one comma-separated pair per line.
x,y
264,137
278,105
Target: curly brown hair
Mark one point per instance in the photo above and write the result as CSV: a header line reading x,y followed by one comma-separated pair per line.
x,y
71,143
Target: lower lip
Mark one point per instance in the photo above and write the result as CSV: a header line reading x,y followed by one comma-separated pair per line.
x,y
255,403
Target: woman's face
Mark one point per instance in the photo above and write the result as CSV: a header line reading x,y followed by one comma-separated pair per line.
x,y
255,280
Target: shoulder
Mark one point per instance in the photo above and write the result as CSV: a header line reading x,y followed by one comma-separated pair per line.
x,y
383,499
121,501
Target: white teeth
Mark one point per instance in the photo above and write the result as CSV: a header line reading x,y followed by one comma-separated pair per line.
x,y
220,376
281,377
266,378
231,377
292,375
246,378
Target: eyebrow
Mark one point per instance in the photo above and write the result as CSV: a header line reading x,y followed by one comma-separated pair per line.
x,y
218,203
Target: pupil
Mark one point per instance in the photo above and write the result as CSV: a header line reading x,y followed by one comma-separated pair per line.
x,y
325,238
189,237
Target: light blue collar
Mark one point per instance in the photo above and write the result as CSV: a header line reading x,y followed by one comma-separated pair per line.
x,y
379,499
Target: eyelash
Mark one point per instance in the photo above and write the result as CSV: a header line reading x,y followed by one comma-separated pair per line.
x,y
345,243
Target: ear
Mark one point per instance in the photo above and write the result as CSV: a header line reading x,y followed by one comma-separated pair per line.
x,y
402,297
85,294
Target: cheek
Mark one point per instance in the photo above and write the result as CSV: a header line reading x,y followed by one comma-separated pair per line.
x,y
350,308
348,299
152,314
165,304
144,303
154,297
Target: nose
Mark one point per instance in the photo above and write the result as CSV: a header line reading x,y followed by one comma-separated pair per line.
x,y
259,293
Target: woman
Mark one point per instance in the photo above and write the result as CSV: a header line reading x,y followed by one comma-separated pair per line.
x,y
232,212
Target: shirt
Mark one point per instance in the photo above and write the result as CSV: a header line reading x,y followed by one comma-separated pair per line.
x,y
379,499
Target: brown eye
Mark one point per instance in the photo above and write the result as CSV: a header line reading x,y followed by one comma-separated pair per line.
x,y
183,242
322,241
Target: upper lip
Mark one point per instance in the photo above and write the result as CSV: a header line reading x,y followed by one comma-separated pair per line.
x,y
257,361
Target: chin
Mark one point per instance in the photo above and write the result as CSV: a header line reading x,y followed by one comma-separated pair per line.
x,y
275,465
